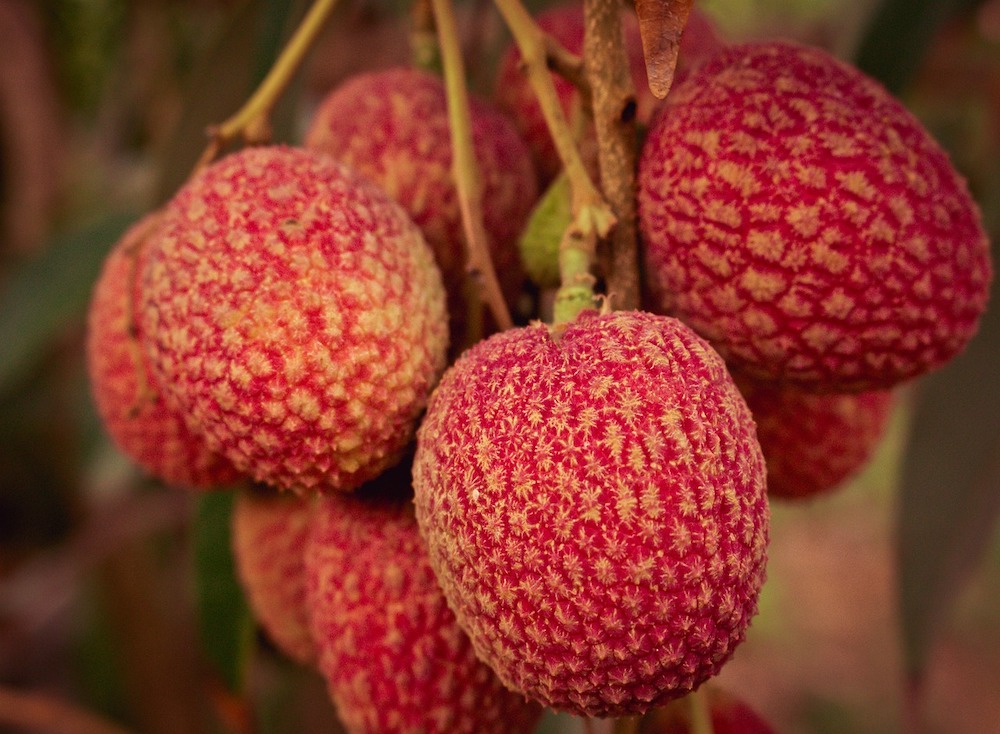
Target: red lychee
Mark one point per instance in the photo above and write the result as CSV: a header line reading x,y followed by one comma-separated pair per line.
x,y
728,714
594,506
393,655
128,398
813,442
269,542
297,316
392,126
565,23
800,219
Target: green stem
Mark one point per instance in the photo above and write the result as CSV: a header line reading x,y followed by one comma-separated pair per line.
x,y
252,120
533,44
464,167
423,38
627,725
701,717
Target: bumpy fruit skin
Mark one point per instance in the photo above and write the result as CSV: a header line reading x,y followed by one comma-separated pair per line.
x,y
269,535
594,507
813,442
799,218
565,23
131,405
392,126
729,715
393,655
296,315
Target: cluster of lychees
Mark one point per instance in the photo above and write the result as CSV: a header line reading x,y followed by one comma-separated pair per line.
x,y
570,515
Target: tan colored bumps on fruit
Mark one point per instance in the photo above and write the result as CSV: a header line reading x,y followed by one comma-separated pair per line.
x,y
297,316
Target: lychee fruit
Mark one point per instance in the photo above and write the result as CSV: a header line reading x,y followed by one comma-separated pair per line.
x,y
394,657
728,714
128,398
813,443
297,316
800,219
593,501
565,23
392,126
269,531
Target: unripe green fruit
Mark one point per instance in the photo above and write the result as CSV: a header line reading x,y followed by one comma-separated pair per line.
x,y
539,243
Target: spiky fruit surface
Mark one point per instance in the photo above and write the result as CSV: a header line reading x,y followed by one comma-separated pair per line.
x,y
297,316
128,398
812,442
798,217
728,714
594,507
565,24
269,540
392,126
393,655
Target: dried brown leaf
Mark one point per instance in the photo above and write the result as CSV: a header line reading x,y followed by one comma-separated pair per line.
x,y
661,23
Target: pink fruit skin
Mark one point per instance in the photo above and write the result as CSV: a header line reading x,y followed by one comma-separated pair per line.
x,y
393,655
565,23
128,398
392,127
269,540
799,218
594,507
813,443
297,316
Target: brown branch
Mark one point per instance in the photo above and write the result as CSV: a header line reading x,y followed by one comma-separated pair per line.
x,y
614,108
40,712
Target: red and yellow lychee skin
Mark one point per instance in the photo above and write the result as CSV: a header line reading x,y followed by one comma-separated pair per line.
x,y
297,316
799,218
594,506
728,714
269,532
565,23
813,443
392,126
128,399
393,655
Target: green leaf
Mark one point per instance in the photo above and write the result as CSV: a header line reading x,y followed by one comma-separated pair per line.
x,y
899,35
950,494
45,296
225,622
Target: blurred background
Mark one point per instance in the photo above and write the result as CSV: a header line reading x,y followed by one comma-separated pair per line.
x,y
882,608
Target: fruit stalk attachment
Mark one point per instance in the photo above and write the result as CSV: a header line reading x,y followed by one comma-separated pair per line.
x,y
591,215
614,108
252,121
701,717
426,53
464,166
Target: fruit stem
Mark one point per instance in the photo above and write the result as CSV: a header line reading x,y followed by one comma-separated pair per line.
x,y
252,120
464,167
627,725
424,47
591,216
590,211
614,109
701,718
